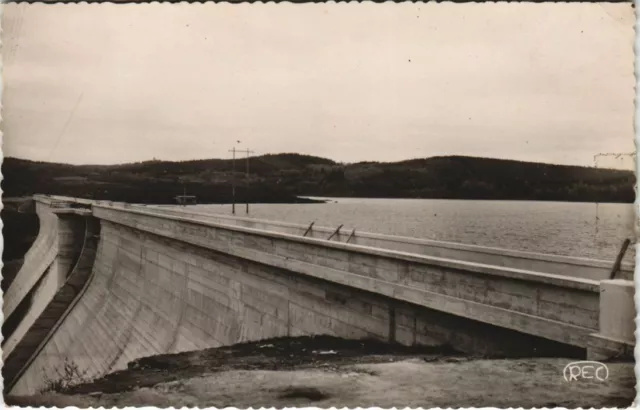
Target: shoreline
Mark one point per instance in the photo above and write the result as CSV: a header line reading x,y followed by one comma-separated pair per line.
x,y
312,199
332,199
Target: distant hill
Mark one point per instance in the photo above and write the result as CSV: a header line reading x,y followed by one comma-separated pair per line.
x,y
283,177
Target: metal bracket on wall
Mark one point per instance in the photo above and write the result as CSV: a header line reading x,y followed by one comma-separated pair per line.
x,y
308,229
618,263
351,235
334,233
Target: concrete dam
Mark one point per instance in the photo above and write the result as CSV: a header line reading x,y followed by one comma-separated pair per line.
x,y
107,283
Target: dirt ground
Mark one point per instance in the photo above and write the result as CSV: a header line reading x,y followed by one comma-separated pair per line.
x,y
330,372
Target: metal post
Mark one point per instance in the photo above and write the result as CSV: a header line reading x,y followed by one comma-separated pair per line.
x,y
233,209
618,263
308,229
351,236
233,182
247,198
337,231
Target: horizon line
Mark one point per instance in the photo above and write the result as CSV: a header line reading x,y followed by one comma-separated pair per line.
x,y
309,155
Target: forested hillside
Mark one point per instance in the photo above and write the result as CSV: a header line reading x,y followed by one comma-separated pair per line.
x,y
283,177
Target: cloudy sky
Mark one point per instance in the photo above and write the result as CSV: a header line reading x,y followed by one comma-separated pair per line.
x,y
119,83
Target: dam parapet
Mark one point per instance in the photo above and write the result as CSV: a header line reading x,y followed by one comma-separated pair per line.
x,y
587,268
165,281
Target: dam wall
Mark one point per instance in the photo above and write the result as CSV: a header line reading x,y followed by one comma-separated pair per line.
x,y
165,282
587,268
36,261
42,320
45,266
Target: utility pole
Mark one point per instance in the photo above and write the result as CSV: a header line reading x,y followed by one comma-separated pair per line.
x,y
233,178
233,182
247,177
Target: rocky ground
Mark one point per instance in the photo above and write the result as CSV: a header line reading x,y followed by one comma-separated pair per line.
x,y
330,372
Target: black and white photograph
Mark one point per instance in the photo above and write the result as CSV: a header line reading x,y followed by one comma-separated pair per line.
x,y
422,205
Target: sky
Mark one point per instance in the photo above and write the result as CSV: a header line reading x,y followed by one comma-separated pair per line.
x,y
105,83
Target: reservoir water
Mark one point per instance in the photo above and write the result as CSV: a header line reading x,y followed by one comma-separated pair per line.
x,y
572,229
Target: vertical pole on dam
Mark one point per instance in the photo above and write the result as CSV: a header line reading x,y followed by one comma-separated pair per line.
x,y
233,182
247,176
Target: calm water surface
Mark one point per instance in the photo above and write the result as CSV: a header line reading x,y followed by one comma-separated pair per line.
x,y
575,229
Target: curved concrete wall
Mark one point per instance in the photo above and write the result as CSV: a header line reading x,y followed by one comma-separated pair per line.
x,y
23,346
36,261
169,283
432,282
64,233
555,264
586,268
153,294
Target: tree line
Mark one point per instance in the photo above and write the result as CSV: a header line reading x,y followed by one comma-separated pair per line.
x,y
285,177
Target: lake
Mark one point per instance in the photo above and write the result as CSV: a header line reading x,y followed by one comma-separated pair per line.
x,y
572,229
